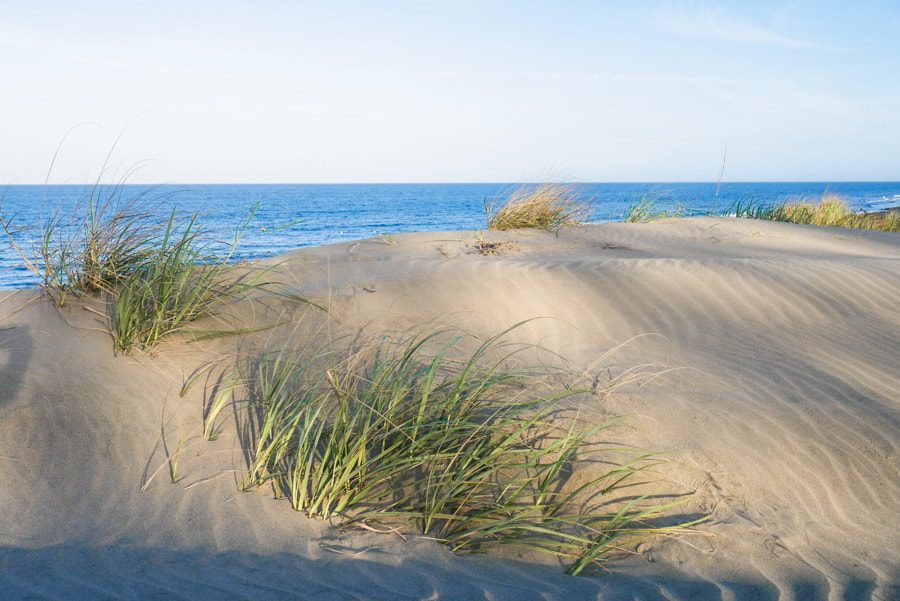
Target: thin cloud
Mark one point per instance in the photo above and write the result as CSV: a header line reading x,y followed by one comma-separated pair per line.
x,y
632,77
704,23
128,66
663,78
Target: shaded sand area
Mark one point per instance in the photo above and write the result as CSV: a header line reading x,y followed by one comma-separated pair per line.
x,y
779,406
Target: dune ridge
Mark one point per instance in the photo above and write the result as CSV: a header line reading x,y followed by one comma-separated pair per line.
x,y
781,409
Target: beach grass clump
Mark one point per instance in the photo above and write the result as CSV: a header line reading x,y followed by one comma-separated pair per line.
x,y
179,281
831,210
645,209
114,245
752,209
640,211
157,274
469,450
884,221
547,207
90,248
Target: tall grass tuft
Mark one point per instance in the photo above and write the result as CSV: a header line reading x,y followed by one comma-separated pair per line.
x,y
830,211
89,250
177,282
546,207
158,274
644,209
472,451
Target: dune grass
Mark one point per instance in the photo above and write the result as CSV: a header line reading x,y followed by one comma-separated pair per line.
x,y
645,209
830,211
460,445
157,274
641,210
88,250
178,281
547,207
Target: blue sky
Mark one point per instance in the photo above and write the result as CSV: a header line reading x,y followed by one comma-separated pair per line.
x,y
452,90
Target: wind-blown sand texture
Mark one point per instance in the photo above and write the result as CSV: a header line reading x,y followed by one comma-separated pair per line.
x,y
786,422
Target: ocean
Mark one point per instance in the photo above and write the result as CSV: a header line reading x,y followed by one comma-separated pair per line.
x,y
290,216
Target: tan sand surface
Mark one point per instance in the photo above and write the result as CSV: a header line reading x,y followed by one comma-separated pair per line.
x,y
780,407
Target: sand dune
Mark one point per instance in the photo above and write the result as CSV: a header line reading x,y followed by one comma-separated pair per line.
x,y
781,408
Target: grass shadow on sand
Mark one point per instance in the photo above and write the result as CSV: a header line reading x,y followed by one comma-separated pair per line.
x,y
16,349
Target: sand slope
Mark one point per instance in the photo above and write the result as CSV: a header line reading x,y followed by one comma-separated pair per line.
x,y
784,415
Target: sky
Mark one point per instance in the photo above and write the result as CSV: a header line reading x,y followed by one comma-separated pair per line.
x,y
449,91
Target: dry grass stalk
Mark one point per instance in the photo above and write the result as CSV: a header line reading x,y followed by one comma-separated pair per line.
x,y
490,249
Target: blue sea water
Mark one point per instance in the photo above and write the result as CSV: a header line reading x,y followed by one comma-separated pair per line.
x,y
295,215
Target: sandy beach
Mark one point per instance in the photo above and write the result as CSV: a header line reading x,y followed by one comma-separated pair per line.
x,y
777,408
